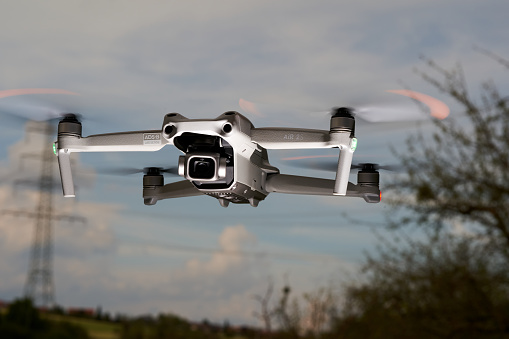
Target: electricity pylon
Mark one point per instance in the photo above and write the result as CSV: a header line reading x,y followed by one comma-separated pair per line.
x,y
39,284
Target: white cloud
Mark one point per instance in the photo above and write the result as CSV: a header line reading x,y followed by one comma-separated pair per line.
x,y
232,240
218,286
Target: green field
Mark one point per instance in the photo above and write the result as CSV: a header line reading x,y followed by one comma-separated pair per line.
x,y
95,328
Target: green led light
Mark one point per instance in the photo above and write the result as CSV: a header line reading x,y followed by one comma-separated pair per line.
x,y
55,148
353,145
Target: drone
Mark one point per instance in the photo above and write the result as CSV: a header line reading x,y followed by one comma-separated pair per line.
x,y
226,158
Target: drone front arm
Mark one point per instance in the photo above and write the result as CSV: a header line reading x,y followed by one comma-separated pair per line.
x,y
290,138
138,141
298,138
69,142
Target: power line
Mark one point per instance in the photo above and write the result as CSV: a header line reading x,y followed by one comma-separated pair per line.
x,y
146,243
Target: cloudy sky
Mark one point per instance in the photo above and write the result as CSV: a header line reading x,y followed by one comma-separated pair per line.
x,y
133,61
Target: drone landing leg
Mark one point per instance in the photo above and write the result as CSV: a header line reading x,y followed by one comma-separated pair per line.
x,y
64,165
343,171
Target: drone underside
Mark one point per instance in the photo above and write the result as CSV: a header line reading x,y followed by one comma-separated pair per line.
x,y
226,158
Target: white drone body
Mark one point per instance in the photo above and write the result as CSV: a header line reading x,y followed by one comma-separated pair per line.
x,y
226,158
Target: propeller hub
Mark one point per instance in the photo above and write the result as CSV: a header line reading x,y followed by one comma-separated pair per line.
x,y
368,167
342,112
152,171
70,117
69,125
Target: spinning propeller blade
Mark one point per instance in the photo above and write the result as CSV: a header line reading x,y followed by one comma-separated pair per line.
x,y
28,104
46,104
133,170
376,167
25,91
438,109
392,111
402,111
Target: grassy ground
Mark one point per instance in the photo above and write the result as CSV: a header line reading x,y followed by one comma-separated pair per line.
x,y
95,328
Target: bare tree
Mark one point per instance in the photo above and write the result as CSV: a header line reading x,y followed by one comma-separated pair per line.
x,y
461,173
319,311
309,316
266,313
449,284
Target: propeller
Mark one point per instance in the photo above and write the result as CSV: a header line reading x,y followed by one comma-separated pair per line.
x,y
383,113
38,104
47,104
392,111
133,170
401,111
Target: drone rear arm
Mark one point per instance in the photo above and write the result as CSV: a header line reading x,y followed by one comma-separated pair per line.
x,y
179,189
293,184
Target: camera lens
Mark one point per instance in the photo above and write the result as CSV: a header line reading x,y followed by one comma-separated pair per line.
x,y
202,168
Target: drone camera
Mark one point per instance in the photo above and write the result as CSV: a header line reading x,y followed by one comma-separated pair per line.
x,y
202,167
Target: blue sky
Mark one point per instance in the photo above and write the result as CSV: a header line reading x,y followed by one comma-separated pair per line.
x,y
132,62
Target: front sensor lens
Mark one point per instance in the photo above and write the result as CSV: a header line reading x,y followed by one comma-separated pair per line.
x,y
168,129
227,128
